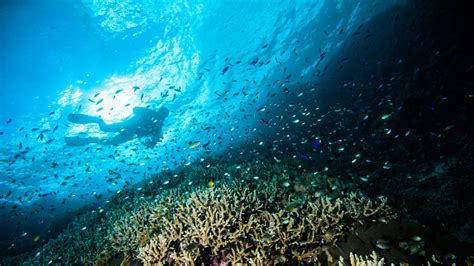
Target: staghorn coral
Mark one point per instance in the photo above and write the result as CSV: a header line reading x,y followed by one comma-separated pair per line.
x,y
203,220
234,223
250,217
357,260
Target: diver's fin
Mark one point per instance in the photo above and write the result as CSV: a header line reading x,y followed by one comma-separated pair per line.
x,y
84,119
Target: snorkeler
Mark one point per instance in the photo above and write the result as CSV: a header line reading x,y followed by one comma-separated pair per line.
x,y
144,123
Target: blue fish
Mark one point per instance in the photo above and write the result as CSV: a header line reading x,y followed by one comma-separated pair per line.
x,y
317,143
45,194
225,69
254,62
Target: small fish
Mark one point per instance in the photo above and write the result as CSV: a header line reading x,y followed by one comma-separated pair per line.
x,y
118,91
386,116
383,244
100,109
141,97
254,62
210,184
34,129
225,69
50,114
317,143
343,60
265,46
55,128
193,145
1,133
23,234
276,60
9,121
449,127
97,94
49,141
36,238
99,101
135,88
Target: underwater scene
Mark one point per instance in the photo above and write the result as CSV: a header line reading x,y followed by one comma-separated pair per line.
x,y
236,132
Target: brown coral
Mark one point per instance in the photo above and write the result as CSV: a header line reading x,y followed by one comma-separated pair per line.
x,y
243,220
357,260
234,223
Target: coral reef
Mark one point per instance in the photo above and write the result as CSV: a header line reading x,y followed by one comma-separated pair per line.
x,y
80,243
234,225
257,212
245,221
357,260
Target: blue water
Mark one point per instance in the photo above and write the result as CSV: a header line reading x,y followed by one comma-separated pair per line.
x,y
56,55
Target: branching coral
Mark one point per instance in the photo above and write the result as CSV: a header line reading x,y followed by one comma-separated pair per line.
x,y
233,224
258,213
357,260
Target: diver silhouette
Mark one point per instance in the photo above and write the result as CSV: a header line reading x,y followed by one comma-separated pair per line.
x,y
144,123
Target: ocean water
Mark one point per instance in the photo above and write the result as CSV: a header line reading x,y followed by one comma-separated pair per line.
x,y
369,96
